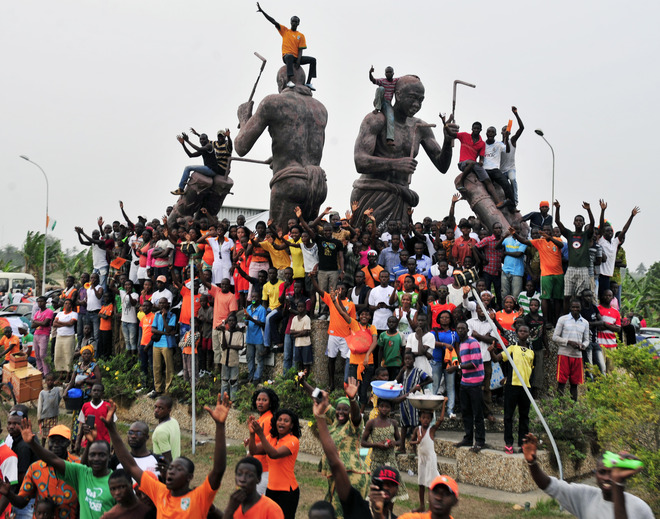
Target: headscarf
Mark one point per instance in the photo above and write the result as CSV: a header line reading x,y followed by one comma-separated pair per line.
x,y
87,347
343,400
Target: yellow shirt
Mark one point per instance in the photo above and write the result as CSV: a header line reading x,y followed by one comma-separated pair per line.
x,y
279,258
291,41
271,293
524,359
297,259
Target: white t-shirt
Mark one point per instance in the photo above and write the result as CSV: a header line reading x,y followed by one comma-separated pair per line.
x,y
609,249
67,331
299,325
310,256
421,362
482,328
159,294
493,154
99,259
148,462
128,311
377,295
164,245
508,160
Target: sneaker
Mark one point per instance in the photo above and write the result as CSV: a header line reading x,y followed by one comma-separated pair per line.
x,y
463,443
290,84
477,448
508,449
178,191
310,86
153,394
452,416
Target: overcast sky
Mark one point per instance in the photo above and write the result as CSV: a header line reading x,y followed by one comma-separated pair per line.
x,y
95,92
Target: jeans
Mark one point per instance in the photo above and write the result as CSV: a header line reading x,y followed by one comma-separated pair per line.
x,y
95,321
130,331
594,356
268,329
146,354
498,178
514,396
103,275
40,343
487,397
287,362
473,416
449,384
202,170
255,360
229,381
385,106
496,281
290,59
25,513
511,175
83,319
511,285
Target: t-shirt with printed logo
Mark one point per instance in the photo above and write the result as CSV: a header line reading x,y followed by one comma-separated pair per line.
x,y
328,252
93,493
578,247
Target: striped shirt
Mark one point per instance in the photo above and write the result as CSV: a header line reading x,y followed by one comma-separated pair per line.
x,y
570,329
389,87
607,338
470,351
222,153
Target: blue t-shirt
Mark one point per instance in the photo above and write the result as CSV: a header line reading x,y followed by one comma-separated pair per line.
x,y
165,341
450,337
255,334
511,265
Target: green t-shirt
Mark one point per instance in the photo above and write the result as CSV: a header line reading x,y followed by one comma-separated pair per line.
x,y
578,247
93,493
391,345
167,437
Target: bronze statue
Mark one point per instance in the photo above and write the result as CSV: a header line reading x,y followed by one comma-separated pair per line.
x,y
296,123
386,169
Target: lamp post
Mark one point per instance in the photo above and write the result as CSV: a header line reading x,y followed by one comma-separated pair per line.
x,y
43,276
539,132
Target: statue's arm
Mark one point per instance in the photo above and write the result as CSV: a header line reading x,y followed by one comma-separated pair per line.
x,y
252,126
365,147
439,155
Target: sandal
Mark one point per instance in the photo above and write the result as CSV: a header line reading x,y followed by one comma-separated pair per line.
x,y
508,449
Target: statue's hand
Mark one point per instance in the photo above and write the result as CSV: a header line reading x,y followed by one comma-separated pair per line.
x,y
451,130
404,165
245,111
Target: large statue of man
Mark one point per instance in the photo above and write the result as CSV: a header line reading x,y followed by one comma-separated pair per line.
x,y
296,123
385,169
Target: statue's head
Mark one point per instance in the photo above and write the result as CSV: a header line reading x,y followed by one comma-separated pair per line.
x,y
409,94
282,80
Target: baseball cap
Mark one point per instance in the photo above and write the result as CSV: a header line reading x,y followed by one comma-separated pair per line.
x,y
372,253
544,203
446,481
60,430
161,278
387,473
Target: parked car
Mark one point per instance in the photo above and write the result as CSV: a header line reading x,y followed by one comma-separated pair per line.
x,y
22,309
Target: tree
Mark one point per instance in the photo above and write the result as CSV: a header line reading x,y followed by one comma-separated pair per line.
x,y
642,295
33,256
640,270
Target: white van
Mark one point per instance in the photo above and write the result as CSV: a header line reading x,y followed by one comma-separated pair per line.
x,y
10,281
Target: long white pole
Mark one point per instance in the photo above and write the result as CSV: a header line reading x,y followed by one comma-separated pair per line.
x,y
43,275
193,369
515,368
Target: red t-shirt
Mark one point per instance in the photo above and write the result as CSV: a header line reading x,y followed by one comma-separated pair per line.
x,y
88,409
470,150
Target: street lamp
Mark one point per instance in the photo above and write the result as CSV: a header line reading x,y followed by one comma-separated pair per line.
x,y
43,277
539,132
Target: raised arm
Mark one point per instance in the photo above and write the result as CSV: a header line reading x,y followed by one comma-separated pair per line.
x,y
587,207
521,239
43,454
269,18
219,415
603,206
521,126
622,234
340,308
303,223
118,445
130,224
530,445
557,220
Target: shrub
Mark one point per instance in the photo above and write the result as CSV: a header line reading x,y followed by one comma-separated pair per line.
x,y
121,377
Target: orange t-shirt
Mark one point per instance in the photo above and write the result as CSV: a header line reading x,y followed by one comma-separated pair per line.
x,y
264,421
223,305
338,326
14,341
436,308
281,475
291,41
420,281
356,327
371,278
418,515
506,320
185,305
208,256
193,505
265,508
105,324
145,323
550,257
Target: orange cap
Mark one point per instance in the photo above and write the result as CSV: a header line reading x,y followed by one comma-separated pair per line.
x,y
446,481
544,203
60,430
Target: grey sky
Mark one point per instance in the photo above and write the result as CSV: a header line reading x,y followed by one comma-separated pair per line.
x,y
95,92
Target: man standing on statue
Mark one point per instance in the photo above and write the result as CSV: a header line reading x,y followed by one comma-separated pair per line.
x,y
293,43
385,170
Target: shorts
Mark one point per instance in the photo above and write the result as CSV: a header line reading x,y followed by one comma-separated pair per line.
x,y
337,345
207,344
477,169
303,355
576,280
569,369
552,287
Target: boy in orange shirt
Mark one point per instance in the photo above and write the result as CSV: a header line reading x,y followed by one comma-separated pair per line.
x,y
145,348
10,342
174,498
